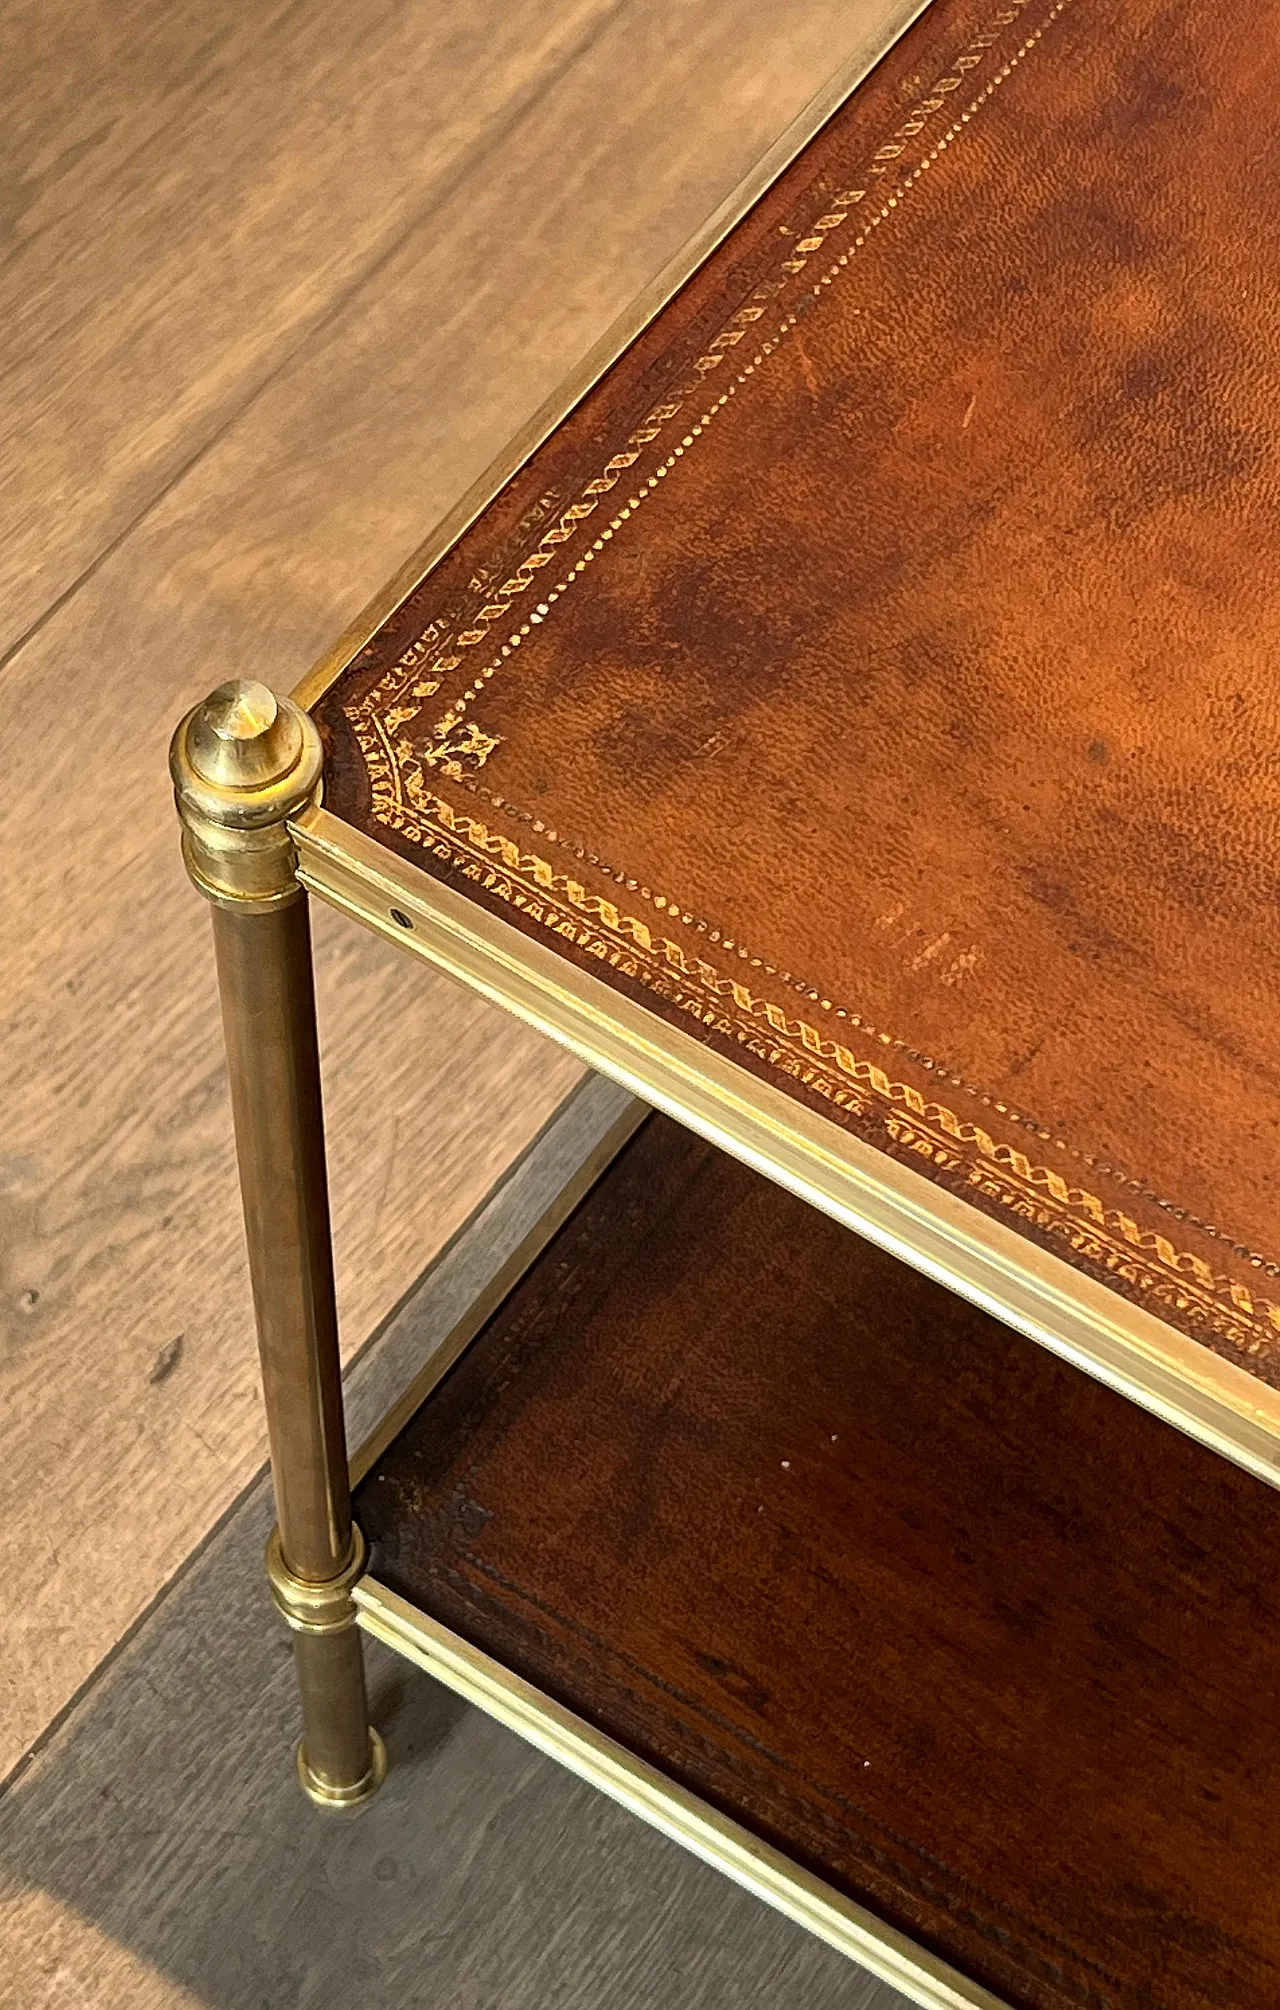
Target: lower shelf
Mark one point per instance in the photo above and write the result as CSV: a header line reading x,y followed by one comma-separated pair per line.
x,y
969,1642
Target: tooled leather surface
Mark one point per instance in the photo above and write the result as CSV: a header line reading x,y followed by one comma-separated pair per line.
x,y
980,1642
901,702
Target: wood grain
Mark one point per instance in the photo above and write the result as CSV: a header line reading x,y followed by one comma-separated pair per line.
x,y
157,1854
192,191
284,315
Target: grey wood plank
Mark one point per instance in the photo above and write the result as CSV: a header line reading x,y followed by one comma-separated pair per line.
x,y
423,1334
158,1851
164,1826
119,1230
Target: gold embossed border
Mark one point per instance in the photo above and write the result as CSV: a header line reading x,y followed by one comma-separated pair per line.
x,y
962,1153
458,744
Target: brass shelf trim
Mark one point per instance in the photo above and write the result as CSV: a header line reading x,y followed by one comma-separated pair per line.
x,y
645,1791
1039,1294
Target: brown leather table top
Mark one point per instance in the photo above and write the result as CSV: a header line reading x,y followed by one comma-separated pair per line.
x,y
876,673
978,1641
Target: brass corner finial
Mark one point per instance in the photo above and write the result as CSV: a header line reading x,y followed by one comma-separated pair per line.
x,y
242,762
241,737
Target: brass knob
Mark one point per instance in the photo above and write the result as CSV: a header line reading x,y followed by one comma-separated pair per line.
x,y
243,762
242,737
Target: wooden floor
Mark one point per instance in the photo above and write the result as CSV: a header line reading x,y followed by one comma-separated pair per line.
x,y
157,1854
275,285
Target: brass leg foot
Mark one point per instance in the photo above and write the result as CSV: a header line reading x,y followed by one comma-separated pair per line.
x,y
341,1759
325,1795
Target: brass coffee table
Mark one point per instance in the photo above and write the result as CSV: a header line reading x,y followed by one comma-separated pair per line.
x,y
847,719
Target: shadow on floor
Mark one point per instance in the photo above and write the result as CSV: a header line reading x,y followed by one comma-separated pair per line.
x,y
482,1877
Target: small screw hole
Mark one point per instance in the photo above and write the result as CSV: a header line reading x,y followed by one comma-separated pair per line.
x,y
401,919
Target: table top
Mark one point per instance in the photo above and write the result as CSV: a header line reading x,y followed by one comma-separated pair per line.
x,y
864,694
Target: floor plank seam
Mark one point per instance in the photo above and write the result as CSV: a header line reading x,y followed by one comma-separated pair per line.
x,y
442,192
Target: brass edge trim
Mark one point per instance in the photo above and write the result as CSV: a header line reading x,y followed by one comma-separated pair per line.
x,y
499,1286
928,1981
1180,1380
898,17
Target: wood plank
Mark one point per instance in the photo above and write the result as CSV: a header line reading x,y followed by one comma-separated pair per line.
x,y
157,1854
193,191
120,1231
451,1301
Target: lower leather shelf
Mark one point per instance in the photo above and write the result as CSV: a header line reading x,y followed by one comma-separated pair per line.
x,y
973,1640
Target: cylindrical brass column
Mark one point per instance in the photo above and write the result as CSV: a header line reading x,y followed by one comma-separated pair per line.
x,y
243,762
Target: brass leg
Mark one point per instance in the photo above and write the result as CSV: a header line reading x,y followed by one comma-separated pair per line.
x,y
243,762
